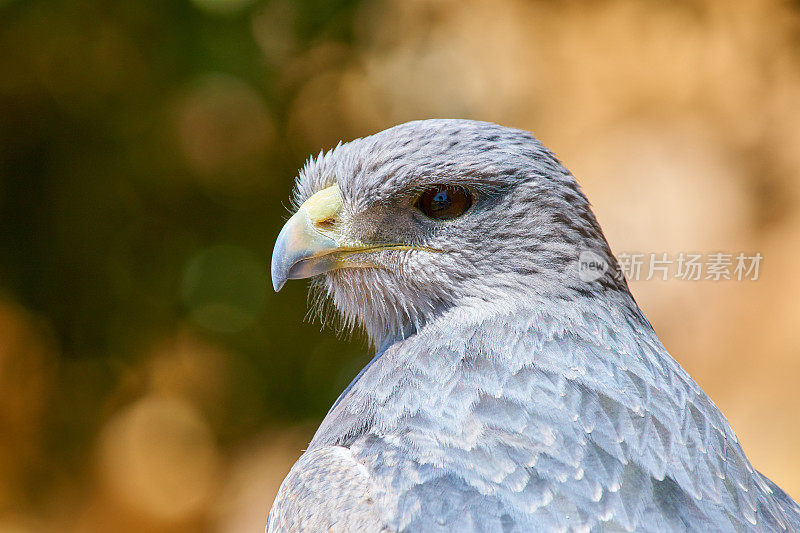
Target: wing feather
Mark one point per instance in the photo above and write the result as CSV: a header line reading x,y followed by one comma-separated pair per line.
x,y
327,490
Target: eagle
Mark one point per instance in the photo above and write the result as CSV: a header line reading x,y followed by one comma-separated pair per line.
x,y
509,391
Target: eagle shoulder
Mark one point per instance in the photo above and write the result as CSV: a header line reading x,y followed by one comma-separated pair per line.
x,y
328,489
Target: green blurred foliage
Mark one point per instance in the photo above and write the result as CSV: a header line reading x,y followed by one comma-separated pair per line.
x,y
115,238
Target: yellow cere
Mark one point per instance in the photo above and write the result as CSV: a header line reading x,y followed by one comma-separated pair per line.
x,y
323,204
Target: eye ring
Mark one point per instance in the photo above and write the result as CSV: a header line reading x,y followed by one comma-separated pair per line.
x,y
444,202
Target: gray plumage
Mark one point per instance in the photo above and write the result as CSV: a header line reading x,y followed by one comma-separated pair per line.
x,y
507,394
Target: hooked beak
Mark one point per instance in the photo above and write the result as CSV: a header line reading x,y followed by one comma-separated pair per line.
x,y
309,241
313,241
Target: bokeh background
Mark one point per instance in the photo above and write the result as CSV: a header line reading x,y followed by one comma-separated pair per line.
x,y
150,380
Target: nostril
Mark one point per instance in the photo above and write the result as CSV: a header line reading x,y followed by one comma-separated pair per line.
x,y
327,223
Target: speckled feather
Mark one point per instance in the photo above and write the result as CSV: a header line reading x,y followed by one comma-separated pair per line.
x,y
506,394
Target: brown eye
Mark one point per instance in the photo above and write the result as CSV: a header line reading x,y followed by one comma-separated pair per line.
x,y
443,202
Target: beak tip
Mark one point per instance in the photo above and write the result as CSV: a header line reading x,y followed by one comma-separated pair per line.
x,y
278,269
280,263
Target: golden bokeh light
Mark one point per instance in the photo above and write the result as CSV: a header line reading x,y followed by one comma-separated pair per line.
x,y
159,457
